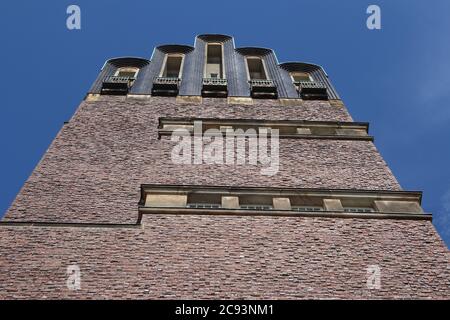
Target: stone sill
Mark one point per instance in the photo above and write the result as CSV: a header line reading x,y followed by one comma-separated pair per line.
x,y
284,213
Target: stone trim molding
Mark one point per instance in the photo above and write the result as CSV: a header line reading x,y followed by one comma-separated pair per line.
x,y
68,224
287,128
231,100
189,99
173,199
385,203
336,103
240,100
290,102
280,213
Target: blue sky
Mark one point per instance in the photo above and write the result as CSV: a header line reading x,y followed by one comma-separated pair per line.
x,y
396,78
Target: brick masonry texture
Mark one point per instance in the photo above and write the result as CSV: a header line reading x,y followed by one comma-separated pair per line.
x,y
92,173
192,256
93,170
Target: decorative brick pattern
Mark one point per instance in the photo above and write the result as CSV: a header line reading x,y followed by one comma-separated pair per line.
x,y
191,256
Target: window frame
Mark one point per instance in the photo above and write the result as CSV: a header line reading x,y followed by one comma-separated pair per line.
x,y
224,76
164,64
136,71
263,65
291,74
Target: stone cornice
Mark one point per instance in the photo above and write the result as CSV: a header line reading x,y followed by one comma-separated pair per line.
x,y
301,129
337,203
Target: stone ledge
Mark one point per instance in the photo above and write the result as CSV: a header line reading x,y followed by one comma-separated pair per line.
x,y
337,103
139,96
240,100
286,128
216,212
68,224
285,213
92,97
189,99
291,102
329,200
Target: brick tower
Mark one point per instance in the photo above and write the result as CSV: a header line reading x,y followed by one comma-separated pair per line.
x,y
108,213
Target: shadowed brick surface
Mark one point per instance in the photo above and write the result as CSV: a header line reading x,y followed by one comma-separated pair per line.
x,y
93,170
191,256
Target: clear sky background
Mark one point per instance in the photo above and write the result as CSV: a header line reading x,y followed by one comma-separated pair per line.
x,y
396,78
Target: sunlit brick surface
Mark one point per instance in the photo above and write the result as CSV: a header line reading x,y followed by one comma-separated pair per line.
x,y
92,173
191,256
93,170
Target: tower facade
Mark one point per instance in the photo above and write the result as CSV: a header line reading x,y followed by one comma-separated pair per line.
x,y
154,189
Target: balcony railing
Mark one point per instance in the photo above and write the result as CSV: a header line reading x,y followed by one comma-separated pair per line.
x,y
116,84
262,83
263,88
312,90
311,85
214,82
117,79
167,81
214,87
165,86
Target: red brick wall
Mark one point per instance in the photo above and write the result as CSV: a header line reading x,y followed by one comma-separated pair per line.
x,y
191,256
93,170
92,173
